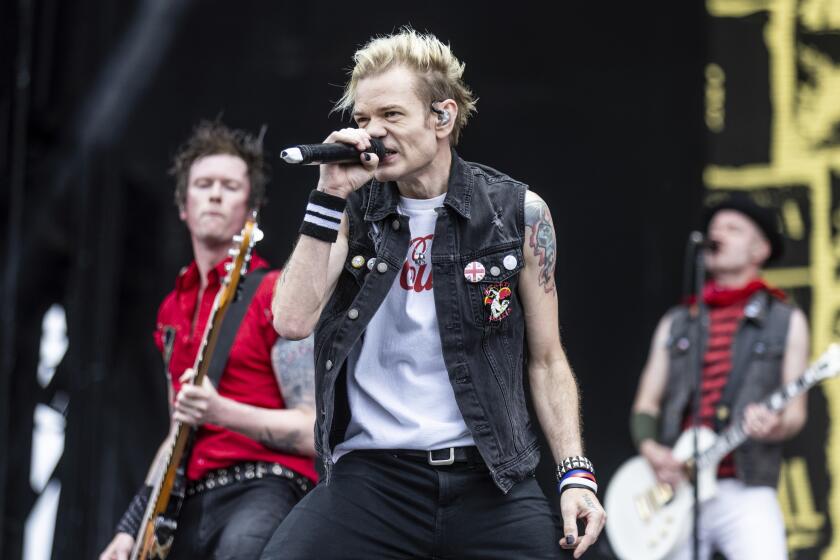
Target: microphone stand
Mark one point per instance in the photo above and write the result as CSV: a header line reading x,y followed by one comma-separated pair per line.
x,y
696,252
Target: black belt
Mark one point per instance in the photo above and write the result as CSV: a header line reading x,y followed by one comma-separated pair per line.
x,y
441,457
246,471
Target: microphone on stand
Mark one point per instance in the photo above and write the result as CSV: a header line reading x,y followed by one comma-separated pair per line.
x,y
696,243
695,268
315,154
700,241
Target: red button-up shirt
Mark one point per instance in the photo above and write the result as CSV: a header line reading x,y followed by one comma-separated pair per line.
x,y
248,377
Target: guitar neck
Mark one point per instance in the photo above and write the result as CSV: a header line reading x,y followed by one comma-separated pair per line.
x,y
221,302
178,451
734,435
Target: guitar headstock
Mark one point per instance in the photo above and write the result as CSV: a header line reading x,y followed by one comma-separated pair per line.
x,y
826,366
243,248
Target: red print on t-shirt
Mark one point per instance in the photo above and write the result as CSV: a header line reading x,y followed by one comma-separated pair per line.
x,y
417,270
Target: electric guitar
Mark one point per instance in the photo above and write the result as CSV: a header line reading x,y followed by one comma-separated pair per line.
x,y
157,530
649,519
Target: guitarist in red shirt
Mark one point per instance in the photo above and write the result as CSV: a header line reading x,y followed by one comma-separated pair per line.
x,y
251,459
753,341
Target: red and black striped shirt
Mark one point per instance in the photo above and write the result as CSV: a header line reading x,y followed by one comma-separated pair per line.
x,y
717,364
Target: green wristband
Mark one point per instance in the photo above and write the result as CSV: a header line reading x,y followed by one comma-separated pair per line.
x,y
643,426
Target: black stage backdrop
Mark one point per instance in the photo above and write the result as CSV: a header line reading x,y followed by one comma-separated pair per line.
x,y
598,108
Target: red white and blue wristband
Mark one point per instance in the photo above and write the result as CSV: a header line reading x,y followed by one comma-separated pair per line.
x,y
323,216
576,472
577,478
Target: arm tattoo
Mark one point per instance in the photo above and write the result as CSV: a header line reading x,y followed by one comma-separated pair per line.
x,y
286,269
540,231
294,365
288,443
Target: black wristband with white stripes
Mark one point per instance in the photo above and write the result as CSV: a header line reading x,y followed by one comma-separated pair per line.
x,y
133,516
323,216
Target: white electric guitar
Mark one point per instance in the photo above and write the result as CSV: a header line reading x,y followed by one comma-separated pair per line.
x,y
648,519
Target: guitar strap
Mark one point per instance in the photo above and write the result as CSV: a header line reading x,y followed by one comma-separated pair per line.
x,y
168,345
233,319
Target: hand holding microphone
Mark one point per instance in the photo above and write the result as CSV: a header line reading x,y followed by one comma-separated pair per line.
x,y
337,156
315,154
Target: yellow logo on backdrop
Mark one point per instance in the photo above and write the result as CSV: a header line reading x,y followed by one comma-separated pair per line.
x,y
801,178
803,521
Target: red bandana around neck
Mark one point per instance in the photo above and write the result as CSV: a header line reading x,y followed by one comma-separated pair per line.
x,y
719,296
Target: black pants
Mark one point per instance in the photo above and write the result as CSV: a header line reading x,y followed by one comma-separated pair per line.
x,y
378,506
233,522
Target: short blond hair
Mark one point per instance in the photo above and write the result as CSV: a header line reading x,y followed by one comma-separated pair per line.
x,y
439,72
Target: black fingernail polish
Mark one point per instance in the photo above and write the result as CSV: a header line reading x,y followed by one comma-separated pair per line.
x,y
367,157
570,539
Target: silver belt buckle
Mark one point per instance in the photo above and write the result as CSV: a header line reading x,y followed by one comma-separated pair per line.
x,y
442,462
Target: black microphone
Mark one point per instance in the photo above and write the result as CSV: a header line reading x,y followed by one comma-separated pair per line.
x,y
315,154
699,240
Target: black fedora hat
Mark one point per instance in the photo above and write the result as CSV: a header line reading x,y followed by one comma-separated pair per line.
x,y
767,219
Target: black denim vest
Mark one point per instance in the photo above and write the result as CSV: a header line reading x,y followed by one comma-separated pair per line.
x,y
482,220
757,352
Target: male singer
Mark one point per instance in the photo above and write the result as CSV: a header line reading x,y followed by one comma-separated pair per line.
x,y
420,274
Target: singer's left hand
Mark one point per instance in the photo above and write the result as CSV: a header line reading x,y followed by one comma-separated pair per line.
x,y
577,504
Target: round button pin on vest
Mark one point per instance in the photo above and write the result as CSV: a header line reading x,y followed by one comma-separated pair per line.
x,y
371,263
509,262
474,272
358,261
495,271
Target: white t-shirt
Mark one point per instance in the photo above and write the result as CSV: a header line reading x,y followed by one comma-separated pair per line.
x,y
397,383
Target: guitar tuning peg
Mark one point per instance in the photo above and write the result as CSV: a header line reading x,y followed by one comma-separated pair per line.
x,y
258,234
228,266
237,238
234,252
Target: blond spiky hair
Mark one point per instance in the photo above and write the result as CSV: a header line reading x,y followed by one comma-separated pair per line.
x,y
438,70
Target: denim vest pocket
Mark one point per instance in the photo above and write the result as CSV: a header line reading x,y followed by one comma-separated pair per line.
x,y
495,303
490,304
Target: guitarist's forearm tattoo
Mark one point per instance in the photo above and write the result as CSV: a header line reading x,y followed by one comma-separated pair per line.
x,y
541,239
287,443
294,366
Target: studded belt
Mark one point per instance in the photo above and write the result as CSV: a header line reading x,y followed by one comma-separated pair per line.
x,y
246,471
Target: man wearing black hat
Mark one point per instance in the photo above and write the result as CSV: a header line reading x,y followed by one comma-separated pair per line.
x,y
752,341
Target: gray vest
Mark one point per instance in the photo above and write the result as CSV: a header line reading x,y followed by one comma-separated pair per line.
x,y
757,350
